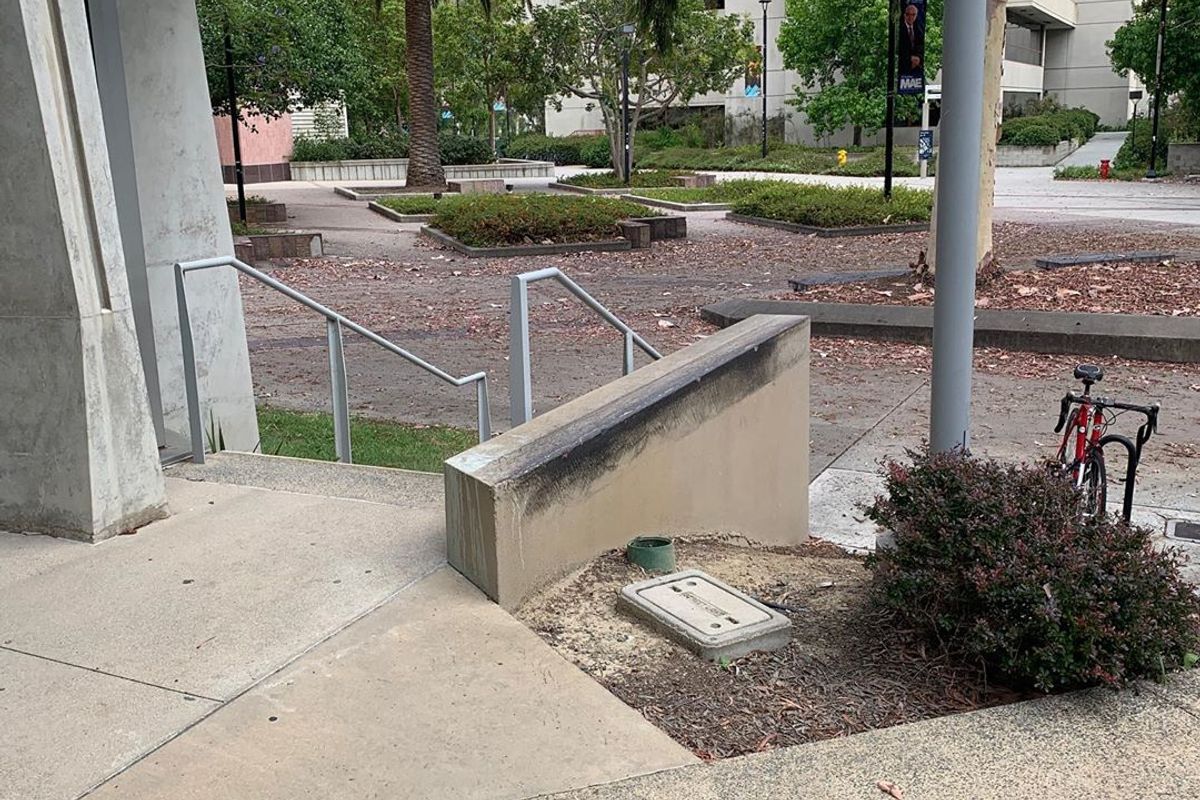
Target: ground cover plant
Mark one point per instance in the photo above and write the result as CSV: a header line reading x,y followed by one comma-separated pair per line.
x,y
411,204
454,149
862,162
611,180
1087,172
240,228
1049,127
722,192
377,443
997,564
835,206
515,219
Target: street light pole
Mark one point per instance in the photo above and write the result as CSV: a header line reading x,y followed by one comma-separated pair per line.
x,y
964,36
889,142
1158,68
627,32
762,79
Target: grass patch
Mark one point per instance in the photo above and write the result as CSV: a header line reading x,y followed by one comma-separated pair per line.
x,y
374,443
1086,172
609,180
497,220
783,158
836,206
251,200
723,192
411,204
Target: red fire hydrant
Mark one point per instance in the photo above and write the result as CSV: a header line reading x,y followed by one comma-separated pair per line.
x,y
1104,168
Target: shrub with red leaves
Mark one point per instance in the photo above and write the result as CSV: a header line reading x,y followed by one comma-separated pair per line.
x,y
997,563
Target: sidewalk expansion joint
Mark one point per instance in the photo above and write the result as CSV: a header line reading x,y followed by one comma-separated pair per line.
x,y
923,383
97,671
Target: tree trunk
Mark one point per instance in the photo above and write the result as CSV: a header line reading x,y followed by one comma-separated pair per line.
x,y
424,161
993,54
857,136
492,126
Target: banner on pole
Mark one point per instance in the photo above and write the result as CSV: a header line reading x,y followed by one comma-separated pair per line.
x,y
911,38
925,144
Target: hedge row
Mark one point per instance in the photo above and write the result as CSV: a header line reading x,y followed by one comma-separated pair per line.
x,y
496,220
455,149
835,206
1047,130
590,151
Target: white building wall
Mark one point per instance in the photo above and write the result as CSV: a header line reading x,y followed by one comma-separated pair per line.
x,y
1078,70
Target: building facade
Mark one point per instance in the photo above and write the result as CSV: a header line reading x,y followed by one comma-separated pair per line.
x,y
1053,48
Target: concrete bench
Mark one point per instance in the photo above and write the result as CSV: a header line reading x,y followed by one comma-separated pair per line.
x,y
478,186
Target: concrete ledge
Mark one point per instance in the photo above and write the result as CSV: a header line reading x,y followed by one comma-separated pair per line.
x,y
861,230
567,187
396,216
714,437
1011,155
676,206
1148,338
815,279
396,169
1058,262
295,244
606,246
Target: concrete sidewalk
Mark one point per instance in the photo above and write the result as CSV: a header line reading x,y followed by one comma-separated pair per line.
x,y
1103,145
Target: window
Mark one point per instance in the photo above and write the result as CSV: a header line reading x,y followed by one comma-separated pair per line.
x,y
1023,43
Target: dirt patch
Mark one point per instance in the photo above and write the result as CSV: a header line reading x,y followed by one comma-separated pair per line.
x,y
1167,289
846,670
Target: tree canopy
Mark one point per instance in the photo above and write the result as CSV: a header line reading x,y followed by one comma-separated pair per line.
x,y
839,50
1134,48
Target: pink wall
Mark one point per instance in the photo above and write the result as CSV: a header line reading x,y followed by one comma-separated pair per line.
x,y
269,143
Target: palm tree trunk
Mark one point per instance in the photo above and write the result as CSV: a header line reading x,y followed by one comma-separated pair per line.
x,y
424,161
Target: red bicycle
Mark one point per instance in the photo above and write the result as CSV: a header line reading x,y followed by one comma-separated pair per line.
x,y
1089,425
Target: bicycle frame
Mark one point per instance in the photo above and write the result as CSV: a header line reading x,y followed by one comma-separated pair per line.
x,y
1087,426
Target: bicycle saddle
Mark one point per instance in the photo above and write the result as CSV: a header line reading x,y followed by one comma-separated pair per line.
x,y
1089,374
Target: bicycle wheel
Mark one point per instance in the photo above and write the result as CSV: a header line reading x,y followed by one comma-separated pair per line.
x,y
1095,484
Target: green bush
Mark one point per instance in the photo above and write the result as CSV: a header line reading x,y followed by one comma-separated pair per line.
x,y
1135,150
723,192
643,178
1057,123
835,206
1035,135
998,564
455,149
591,151
660,138
410,204
780,158
1076,173
494,220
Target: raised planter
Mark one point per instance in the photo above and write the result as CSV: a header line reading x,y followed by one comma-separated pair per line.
x,y
260,213
396,169
606,246
1142,256
478,186
861,230
369,193
1183,158
673,205
1008,155
294,244
396,216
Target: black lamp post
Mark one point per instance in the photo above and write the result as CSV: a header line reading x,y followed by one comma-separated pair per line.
x,y
627,32
235,120
1134,95
762,78
1158,66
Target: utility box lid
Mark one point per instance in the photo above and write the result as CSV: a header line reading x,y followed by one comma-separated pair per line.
x,y
706,615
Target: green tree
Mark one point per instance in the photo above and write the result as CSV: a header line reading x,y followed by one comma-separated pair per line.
x,y
380,103
703,52
287,54
839,50
1134,48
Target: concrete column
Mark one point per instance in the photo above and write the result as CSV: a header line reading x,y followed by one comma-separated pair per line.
x,y
77,450
182,204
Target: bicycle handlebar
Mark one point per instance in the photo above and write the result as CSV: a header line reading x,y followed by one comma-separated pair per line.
x,y
1151,411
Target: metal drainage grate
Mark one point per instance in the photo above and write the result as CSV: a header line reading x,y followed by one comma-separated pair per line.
x,y
1184,531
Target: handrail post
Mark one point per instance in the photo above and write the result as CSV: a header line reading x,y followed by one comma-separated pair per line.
x,y
191,384
485,413
339,391
628,352
520,389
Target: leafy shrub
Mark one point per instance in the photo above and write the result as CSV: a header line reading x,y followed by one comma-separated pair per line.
x,y
723,192
780,158
998,563
1080,172
1035,135
645,178
251,200
1062,123
410,204
491,220
455,149
835,206
564,151
1135,150
660,138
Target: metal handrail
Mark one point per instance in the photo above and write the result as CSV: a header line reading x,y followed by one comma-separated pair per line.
x,y
334,322
520,387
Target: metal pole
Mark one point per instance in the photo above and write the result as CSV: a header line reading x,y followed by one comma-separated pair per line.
x,y
628,352
762,81
191,383
484,409
890,120
338,391
964,37
925,127
628,152
1158,66
520,389
235,121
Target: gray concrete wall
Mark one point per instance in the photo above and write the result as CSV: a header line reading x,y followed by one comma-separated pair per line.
x,y
396,169
184,215
1183,158
1078,71
1008,155
78,456
712,438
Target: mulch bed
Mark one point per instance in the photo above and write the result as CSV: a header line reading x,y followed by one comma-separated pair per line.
x,y
847,669
1169,288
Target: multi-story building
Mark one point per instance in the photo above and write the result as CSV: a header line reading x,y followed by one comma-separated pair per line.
x,y
1052,47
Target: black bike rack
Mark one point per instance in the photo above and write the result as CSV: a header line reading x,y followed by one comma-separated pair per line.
x,y
1134,450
